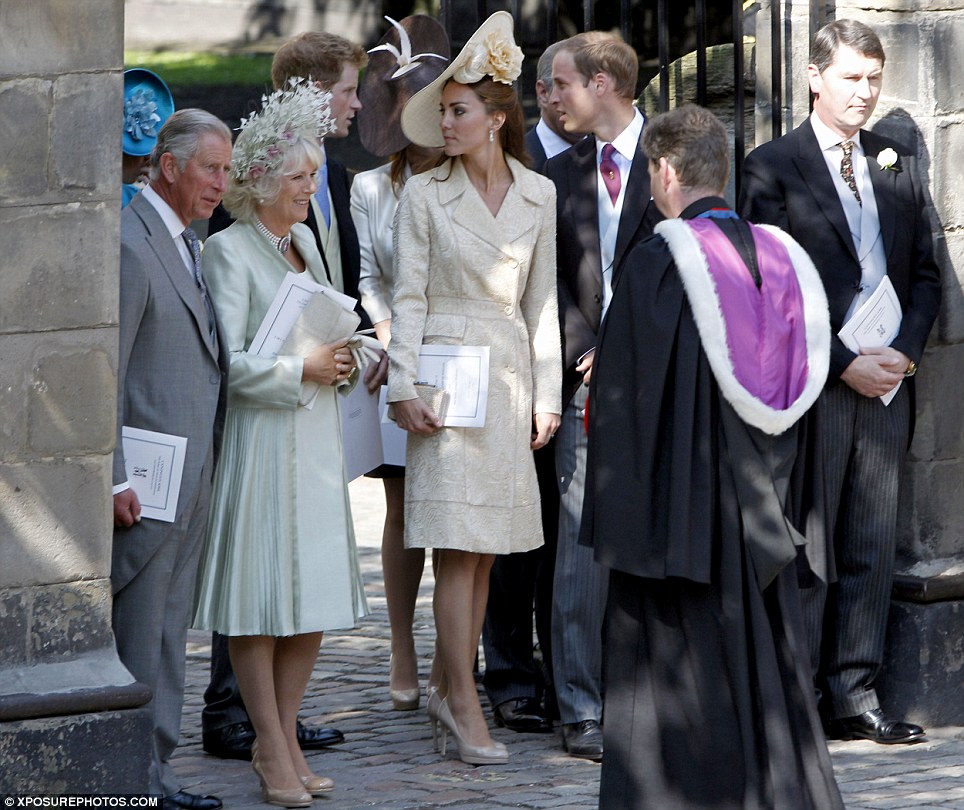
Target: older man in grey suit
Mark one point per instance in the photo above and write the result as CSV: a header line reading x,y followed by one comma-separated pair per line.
x,y
171,375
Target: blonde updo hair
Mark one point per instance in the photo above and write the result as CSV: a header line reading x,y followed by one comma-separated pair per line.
x,y
243,197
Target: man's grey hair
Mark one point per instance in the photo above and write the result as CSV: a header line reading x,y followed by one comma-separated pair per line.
x,y
181,136
544,66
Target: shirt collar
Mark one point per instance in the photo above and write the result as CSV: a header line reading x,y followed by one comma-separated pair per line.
x,y
171,220
703,205
828,139
552,143
626,141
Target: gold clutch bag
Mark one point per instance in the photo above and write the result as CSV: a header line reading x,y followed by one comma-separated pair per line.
x,y
436,398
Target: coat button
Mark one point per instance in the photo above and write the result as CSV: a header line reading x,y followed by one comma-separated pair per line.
x,y
508,309
215,378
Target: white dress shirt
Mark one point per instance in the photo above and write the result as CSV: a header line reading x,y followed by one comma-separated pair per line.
x,y
862,219
625,145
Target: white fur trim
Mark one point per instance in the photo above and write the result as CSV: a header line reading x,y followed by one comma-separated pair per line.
x,y
703,299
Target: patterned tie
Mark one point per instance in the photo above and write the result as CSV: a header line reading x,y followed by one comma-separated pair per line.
x,y
610,172
321,195
847,168
194,245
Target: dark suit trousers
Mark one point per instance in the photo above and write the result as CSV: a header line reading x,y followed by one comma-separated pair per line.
x,y
859,453
223,705
517,584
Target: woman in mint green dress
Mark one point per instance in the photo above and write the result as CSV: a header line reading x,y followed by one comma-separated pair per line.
x,y
280,565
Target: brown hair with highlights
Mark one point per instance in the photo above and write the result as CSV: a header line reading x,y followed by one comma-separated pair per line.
x,y
315,55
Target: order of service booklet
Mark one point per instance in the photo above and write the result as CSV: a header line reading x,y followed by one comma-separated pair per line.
x,y
154,463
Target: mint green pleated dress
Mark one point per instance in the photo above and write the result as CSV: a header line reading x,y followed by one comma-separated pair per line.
x,y
280,556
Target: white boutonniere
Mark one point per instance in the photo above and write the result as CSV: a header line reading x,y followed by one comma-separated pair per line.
x,y
887,159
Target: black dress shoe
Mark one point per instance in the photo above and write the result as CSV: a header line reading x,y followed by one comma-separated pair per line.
x,y
230,742
315,737
874,726
522,714
190,801
234,741
583,739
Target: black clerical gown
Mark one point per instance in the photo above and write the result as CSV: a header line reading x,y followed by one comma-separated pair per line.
x,y
709,701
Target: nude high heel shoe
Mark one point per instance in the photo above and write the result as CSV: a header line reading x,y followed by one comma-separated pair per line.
x,y
277,796
431,709
495,754
403,700
318,785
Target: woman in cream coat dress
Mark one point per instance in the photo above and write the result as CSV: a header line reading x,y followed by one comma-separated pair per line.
x,y
474,266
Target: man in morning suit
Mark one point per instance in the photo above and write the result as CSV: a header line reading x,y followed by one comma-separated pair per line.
x,y
855,202
171,378
519,690
604,207
333,62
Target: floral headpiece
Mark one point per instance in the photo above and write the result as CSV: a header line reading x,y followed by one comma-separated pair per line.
x,y
140,115
147,105
493,56
301,110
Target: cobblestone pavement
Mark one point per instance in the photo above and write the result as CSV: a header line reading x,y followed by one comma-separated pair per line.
x,y
387,759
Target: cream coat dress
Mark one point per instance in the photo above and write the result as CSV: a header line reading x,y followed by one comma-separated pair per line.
x,y
464,277
280,555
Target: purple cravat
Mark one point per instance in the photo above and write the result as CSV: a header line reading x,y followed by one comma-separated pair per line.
x,y
610,172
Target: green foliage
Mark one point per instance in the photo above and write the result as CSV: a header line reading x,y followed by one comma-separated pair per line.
x,y
196,69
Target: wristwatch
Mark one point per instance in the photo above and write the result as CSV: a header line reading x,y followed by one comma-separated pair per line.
x,y
911,369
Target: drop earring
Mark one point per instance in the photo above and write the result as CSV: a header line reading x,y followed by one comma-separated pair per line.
x,y
491,136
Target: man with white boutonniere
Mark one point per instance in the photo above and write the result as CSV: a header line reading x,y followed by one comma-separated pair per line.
x,y
855,201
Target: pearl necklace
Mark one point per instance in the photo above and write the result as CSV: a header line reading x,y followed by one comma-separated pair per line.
x,y
281,243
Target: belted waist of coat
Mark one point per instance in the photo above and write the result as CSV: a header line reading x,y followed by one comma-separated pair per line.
x,y
469,307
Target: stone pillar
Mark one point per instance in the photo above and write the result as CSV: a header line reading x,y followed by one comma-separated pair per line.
x,y
68,716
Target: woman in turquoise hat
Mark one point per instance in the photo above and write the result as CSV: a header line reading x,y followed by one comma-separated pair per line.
x,y
147,105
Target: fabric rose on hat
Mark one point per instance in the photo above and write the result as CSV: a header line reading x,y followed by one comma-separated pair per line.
x,y
494,56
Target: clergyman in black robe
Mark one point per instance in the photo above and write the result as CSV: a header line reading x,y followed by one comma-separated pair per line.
x,y
715,343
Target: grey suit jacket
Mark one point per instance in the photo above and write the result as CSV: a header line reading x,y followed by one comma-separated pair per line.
x,y
171,377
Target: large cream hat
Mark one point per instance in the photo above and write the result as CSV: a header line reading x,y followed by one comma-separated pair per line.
x,y
491,51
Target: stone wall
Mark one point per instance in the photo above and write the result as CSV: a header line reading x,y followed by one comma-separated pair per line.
x,y
66,702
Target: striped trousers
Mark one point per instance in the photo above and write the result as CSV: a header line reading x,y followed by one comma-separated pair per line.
x,y
580,584
859,449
